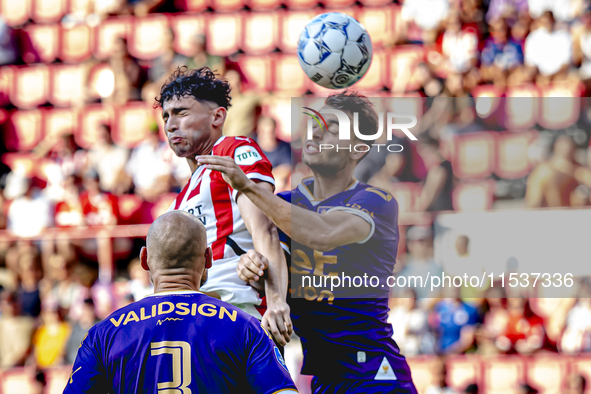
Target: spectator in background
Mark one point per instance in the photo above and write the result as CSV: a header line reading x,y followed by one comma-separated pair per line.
x,y
455,324
524,332
577,333
552,183
200,57
139,283
439,382
30,211
422,19
501,55
494,323
241,116
410,324
420,261
68,212
9,53
437,189
146,169
79,330
16,332
459,45
164,64
277,151
51,338
500,9
129,76
107,158
98,208
549,48
27,294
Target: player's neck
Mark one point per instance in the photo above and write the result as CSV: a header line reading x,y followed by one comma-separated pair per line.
x,y
327,186
175,283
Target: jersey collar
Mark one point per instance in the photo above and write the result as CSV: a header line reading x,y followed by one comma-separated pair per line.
x,y
174,292
303,188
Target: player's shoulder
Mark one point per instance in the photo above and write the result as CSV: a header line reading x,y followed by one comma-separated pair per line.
x,y
227,144
373,194
244,150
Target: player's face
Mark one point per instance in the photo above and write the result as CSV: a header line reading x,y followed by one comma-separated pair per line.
x,y
188,126
324,160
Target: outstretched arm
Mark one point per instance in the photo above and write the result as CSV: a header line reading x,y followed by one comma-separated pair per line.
x,y
266,241
319,232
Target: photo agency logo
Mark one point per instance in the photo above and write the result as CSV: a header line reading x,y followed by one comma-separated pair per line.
x,y
391,120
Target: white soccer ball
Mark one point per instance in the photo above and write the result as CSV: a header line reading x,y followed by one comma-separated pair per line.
x,y
334,50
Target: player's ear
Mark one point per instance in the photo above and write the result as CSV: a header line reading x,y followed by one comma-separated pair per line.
x,y
144,258
219,116
208,257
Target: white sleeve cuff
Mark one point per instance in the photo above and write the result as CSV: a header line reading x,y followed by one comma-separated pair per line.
x,y
363,215
255,175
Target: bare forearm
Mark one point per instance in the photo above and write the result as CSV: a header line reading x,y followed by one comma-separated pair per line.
x,y
267,244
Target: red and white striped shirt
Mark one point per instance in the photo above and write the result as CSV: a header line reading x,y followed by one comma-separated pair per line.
x,y
213,201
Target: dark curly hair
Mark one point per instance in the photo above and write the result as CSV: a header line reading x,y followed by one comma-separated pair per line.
x,y
201,84
351,101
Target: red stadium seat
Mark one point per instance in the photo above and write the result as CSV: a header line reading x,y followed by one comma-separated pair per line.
x,y
376,76
462,371
90,119
48,11
503,374
337,3
24,163
378,22
25,131
226,5
81,7
548,372
280,110
300,4
30,86
146,36
512,159
402,62
194,5
521,107
488,98
258,71
288,75
14,13
129,206
67,84
107,32
101,81
260,32
185,28
60,121
75,43
45,40
17,380
375,3
474,155
474,196
6,82
406,194
581,365
162,205
223,32
131,123
423,370
291,25
560,106
262,5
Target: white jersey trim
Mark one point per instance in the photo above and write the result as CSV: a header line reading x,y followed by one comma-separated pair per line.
x,y
255,175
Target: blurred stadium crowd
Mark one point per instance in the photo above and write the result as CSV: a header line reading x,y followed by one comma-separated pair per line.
x,y
500,87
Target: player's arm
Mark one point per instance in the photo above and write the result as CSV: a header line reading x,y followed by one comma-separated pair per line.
x,y
88,375
266,241
266,371
319,232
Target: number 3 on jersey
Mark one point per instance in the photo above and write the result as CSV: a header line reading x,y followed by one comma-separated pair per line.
x,y
181,366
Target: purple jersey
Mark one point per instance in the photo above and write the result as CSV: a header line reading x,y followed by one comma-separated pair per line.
x,y
345,334
181,342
